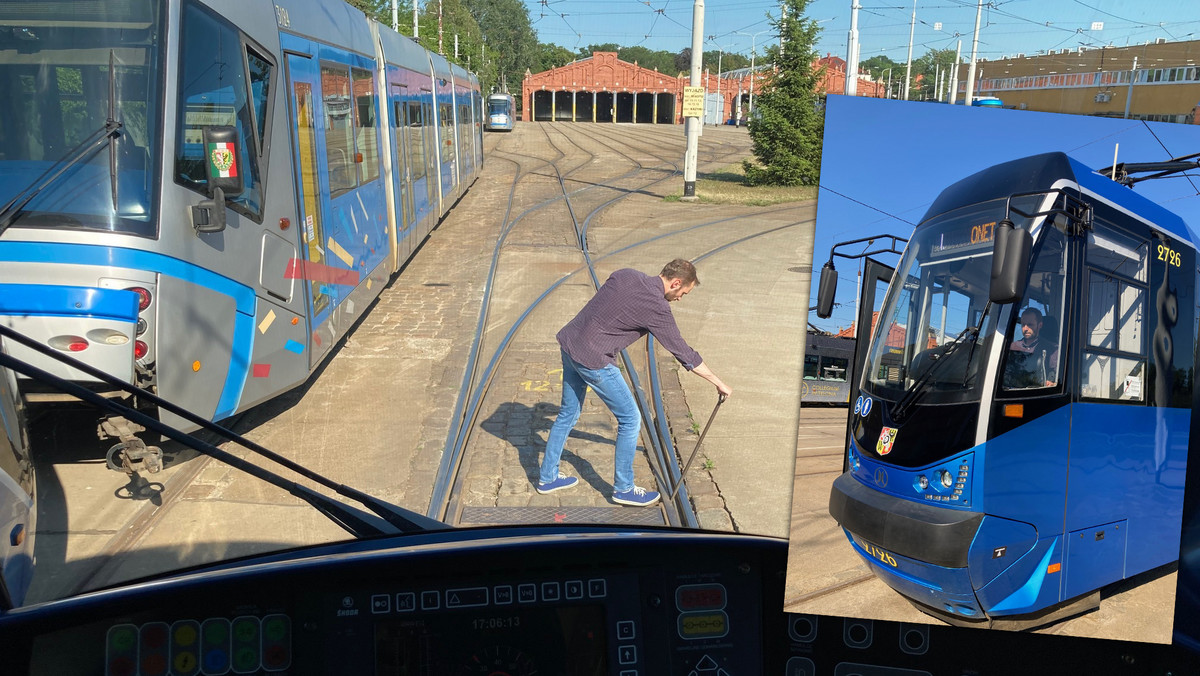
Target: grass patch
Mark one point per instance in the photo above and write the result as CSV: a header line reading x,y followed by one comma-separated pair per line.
x,y
724,186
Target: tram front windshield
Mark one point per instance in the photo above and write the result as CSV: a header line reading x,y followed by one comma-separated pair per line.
x,y
59,61
933,332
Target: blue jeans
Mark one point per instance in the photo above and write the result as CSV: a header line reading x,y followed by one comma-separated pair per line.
x,y
610,386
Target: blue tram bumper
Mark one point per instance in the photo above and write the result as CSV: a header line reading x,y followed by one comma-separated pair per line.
x,y
919,550
964,567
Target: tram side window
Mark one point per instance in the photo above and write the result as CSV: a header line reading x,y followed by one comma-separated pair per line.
x,y
260,92
213,91
364,116
416,141
446,113
339,128
834,368
1034,357
812,367
1114,356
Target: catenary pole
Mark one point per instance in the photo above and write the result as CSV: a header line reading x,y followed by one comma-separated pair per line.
x,y
692,124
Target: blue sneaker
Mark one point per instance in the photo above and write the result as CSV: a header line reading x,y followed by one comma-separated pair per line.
x,y
563,481
636,496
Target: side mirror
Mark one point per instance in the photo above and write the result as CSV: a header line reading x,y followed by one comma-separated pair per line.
x,y
1010,263
827,290
221,162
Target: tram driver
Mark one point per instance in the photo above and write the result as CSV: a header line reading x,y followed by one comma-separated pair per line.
x,y
1033,359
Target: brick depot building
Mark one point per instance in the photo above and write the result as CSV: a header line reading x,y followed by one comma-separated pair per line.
x,y
602,88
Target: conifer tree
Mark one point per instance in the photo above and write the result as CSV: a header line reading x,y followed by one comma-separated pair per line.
x,y
789,114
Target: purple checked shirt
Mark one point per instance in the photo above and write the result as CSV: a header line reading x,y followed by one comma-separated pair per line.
x,y
628,306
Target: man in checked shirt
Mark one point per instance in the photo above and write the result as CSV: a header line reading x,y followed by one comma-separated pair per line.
x,y
628,306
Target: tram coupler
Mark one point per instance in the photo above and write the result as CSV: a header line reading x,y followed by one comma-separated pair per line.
x,y
131,455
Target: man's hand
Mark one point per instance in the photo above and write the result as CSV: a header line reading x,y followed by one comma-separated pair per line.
x,y
703,371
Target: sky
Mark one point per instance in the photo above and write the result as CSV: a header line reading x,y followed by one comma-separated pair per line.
x,y
1008,27
881,181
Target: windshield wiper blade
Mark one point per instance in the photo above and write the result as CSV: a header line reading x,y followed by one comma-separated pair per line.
x,y
398,518
918,387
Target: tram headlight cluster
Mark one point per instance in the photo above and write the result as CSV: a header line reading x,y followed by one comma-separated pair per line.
x,y
945,484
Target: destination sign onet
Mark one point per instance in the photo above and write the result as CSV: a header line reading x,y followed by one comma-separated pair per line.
x,y
975,235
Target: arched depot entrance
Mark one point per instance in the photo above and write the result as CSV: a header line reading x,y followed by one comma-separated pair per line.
x,y
564,106
664,108
541,106
605,106
585,106
625,104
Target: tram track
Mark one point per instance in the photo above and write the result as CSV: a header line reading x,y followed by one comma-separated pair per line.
x,y
588,187
664,459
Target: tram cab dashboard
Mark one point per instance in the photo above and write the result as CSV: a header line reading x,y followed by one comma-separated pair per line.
x,y
528,600
557,600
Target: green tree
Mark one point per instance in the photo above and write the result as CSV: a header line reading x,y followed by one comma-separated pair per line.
x,y
550,56
725,61
381,11
789,116
928,67
585,52
880,67
683,60
510,43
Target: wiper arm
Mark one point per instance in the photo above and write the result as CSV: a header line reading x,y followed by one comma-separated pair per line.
x,y
112,124
398,518
918,387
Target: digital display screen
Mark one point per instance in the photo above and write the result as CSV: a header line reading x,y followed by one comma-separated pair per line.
x,y
568,640
964,237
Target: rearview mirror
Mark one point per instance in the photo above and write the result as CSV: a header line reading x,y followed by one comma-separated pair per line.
x,y
827,290
1010,263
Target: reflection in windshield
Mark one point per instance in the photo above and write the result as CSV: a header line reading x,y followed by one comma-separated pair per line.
x,y
55,80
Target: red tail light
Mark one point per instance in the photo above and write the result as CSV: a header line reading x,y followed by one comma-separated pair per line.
x,y
143,297
77,345
140,349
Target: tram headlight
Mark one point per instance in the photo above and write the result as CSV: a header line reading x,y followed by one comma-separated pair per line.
x,y
947,480
922,482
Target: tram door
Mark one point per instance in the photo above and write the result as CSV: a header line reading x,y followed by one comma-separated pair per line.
x,y
875,280
302,76
403,173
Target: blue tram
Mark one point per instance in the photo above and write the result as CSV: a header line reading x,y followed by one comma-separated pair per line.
x,y
501,114
201,197
1021,432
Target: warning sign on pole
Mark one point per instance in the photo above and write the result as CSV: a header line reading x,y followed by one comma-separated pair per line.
x,y
693,101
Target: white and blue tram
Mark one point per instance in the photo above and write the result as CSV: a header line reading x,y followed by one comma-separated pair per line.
x,y
1021,433
501,113
201,197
